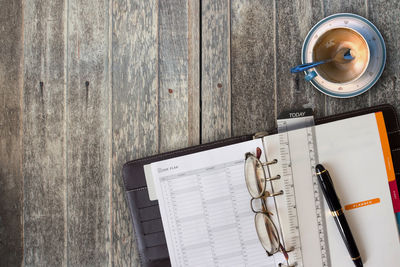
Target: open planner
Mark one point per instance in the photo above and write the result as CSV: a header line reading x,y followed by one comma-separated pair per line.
x,y
204,216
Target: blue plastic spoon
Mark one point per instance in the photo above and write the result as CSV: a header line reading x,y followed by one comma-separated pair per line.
x,y
342,56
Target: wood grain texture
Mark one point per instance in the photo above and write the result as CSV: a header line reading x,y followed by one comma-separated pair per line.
x,y
11,187
253,68
193,36
215,70
134,109
337,105
293,21
86,87
88,134
340,6
385,16
173,75
44,161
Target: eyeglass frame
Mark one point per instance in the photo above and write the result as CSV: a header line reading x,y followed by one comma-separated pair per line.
x,y
262,196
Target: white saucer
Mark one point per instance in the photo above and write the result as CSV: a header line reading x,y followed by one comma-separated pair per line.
x,y
377,54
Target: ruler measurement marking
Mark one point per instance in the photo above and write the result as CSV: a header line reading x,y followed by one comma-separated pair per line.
x,y
317,196
290,191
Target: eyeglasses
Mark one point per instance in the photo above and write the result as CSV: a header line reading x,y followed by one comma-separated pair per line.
x,y
256,182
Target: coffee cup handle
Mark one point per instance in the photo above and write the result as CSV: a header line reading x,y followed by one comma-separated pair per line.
x,y
310,75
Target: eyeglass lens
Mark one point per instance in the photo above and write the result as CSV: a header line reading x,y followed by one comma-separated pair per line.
x,y
255,176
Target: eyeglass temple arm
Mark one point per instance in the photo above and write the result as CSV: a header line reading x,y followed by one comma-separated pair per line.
x,y
286,255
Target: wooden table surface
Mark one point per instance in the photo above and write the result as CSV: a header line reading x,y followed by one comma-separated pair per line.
x,y
89,85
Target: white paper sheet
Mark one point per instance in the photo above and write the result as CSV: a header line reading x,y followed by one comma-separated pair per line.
x,y
351,151
205,208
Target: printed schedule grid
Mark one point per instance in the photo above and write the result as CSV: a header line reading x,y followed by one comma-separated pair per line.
x,y
210,218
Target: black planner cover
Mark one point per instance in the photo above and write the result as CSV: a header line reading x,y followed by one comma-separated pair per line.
x,y
146,214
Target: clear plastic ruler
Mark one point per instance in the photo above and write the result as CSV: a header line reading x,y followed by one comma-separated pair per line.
x,y
303,120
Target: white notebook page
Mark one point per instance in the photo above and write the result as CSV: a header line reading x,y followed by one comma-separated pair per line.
x,y
205,208
351,151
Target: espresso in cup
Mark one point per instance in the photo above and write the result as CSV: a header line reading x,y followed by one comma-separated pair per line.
x,y
328,45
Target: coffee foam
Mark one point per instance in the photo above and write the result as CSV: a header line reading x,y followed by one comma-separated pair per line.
x,y
330,43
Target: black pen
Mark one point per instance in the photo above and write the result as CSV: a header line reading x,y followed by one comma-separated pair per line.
x,y
332,199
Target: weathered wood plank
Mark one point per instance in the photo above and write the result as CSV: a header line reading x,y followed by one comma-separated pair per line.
x,y
253,70
174,99
340,6
335,105
134,108
173,68
194,112
88,138
385,15
215,70
293,21
44,161
11,79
